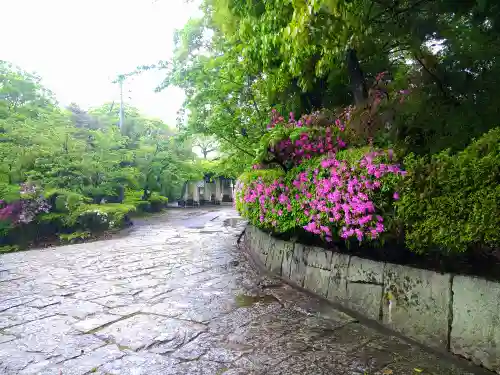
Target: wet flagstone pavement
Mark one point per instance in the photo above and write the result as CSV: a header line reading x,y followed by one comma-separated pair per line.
x,y
176,296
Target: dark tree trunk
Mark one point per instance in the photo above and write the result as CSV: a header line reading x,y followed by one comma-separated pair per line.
x,y
184,188
357,79
121,194
146,193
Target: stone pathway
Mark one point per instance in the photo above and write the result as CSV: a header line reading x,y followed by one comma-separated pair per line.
x,y
175,296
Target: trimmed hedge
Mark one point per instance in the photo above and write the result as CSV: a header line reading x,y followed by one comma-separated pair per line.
x,y
155,203
64,201
452,201
100,217
67,215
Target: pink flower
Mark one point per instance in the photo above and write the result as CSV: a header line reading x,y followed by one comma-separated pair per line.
x,y
333,194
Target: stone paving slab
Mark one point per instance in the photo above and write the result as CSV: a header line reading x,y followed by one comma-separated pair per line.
x,y
176,296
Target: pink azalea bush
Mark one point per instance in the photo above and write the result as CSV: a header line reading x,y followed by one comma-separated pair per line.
x,y
292,142
26,208
330,190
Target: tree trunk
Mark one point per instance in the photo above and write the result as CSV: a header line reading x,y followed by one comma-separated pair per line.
x,y
184,188
357,79
121,194
146,193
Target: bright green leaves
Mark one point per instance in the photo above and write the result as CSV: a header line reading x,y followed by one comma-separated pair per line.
x,y
223,97
84,152
451,201
21,95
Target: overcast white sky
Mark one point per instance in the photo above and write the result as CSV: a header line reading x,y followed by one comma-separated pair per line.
x,y
79,46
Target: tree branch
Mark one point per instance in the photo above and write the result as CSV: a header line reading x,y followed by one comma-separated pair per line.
x,y
259,113
437,80
367,19
398,12
231,142
255,102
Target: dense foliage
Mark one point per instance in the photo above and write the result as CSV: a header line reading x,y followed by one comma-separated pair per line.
x,y
76,171
245,57
417,79
452,201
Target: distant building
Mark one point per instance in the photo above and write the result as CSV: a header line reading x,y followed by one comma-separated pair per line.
x,y
211,190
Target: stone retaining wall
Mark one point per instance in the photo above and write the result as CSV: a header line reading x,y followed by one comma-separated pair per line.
x,y
460,314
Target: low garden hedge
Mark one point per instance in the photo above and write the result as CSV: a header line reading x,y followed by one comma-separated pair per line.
x,y
452,201
32,216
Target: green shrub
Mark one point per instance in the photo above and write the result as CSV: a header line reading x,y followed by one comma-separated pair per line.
x,y
56,220
5,227
133,194
451,202
9,193
134,198
98,193
267,175
157,202
142,206
154,203
8,249
74,237
99,217
65,201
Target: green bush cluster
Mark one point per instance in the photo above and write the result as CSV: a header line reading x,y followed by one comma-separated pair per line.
x,y
154,203
74,217
74,237
451,201
8,249
134,198
76,212
64,201
100,217
157,202
8,192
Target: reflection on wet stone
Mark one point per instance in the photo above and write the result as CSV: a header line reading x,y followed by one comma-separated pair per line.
x,y
176,296
243,300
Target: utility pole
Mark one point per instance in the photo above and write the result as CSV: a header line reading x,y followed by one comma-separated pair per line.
x,y
121,78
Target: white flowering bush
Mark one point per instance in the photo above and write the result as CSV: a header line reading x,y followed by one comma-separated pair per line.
x,y
95,218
